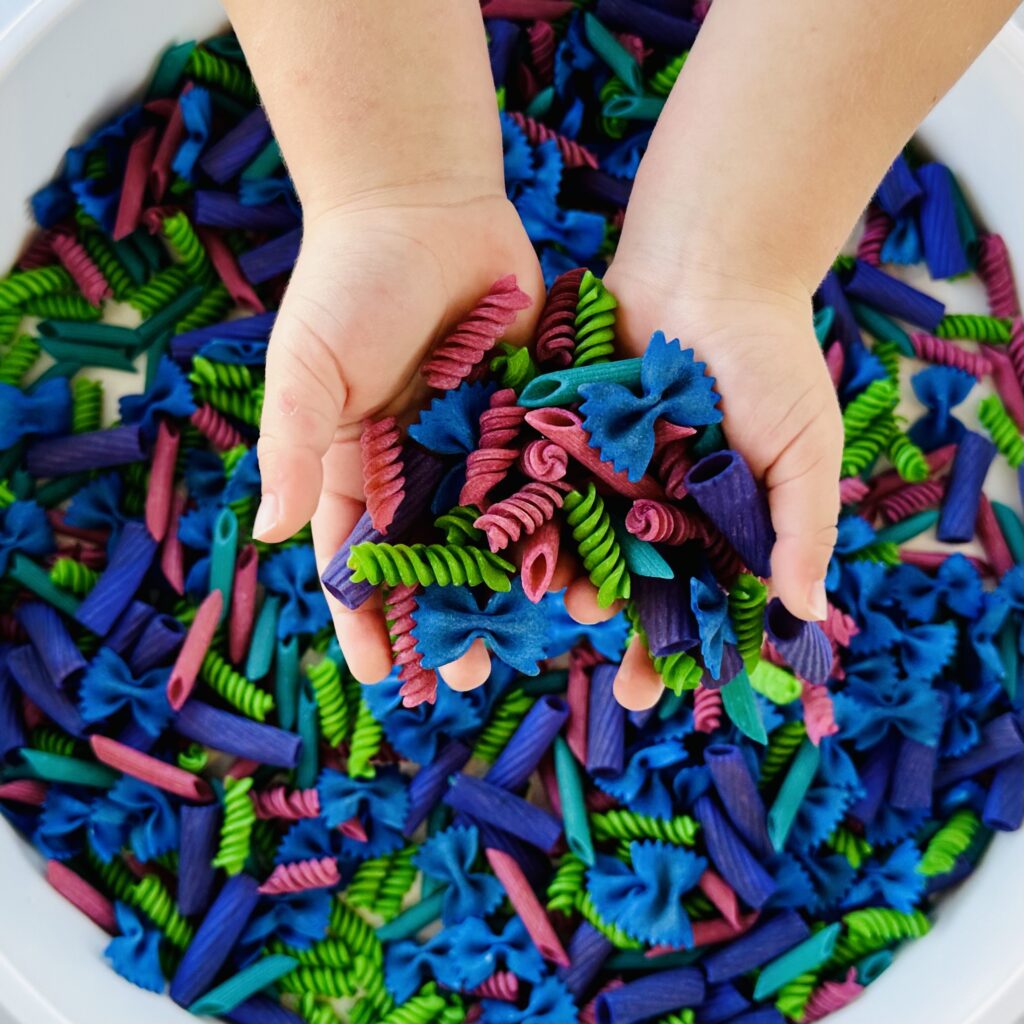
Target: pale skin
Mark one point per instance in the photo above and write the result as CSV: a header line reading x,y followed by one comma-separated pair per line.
x,y
782,123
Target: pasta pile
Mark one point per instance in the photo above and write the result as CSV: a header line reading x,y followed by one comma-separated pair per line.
x,y
271,843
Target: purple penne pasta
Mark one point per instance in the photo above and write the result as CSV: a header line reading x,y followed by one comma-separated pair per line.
x,y
496,806
32,678
588,950
913,775
226,210
275,257
725,490
899,188
940,232
738,792
236,735
803,644
645,20
529,743
158,644
129,563
874,781
735,863
666,614
215,939
888,294
760,1015
721,1003
129,627
652,996
766,941
75,453
229,154
430,781
200,835
1004,805
959,512
602,186
1001,739
262,1009
53,643
606,724
12,729
830,293
248,328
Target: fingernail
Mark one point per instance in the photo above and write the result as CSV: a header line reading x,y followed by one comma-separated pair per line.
x,y
817,601
266,516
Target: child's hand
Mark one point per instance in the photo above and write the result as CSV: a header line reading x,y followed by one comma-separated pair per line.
x,y
374,287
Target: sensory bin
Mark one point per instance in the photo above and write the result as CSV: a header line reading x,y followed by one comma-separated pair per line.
x,y
180,738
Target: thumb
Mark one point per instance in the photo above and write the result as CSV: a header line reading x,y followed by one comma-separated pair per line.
x,y
803,494
301,413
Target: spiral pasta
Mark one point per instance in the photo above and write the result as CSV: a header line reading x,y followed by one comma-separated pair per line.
x,y
151,897
245,406
159,291
354,932
569,878
52,742
931,349
521,513
599,550
661,523
213,304
859,453
364,888
908,500
186,247
332,707
419,684
1002,429
792,999
952,839
612,932
286,804
193,758
314,1009
661,82
877,227
102,254
325,953
782,745
613,127
396,883
512,366
238,691
556,331
995,271
875,928
429,564
457,525
496,451
672,465
18,360
707,709
209,373
364,744
573,153
628,825
223,74
679,1017
747,601
853,847
426,1007
77,262
877,400
336,983
236,829
889,355
10,320
504,721
907,458
594,322
62,307
113,875
974,327
212,425
18,288
678,671
380,448
73,576
86,405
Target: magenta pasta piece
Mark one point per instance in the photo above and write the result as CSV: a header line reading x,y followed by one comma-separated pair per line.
x,y
172,554
31,792
1007,385
200,837
544,460
428,784
174,131
133,183
236,735
819,711
503,985
464,348
525,903
877,225
934,559
770,939
1004,805
76,453
1001,739
215,939
661,523
803,644
243,603
496,450
577,695
606,724
78,263
215,428
737,790
496,806
539,559
960,505
533,505
288,805
718,930
51,640
157,773
315,873
380,447
556,330
721,896
912,498
227,269
707,709
652,996
672,463
949,353
666,615
835,360
161,479
34,681
995,271
543,10
565,428
991,538
853,490
528,744
892,296
831,996
725,490
129,563
160,640
734,861
573,153
79,893
419,684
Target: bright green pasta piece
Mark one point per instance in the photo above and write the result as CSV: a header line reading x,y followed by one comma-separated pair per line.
x,y
210,69
747,601
628,826
504,720
877,399
1002,429
151,897
86,405
186,247
22,285
775,683
236,829
949,842
975,327
661,82
595,322
73,576
599,550
364,745
210,309
18,360
429,564
238,691
457,526
782,745
335,717
908,459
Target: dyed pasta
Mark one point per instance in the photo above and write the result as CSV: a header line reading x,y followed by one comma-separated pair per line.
x,y
602,558
383,482
428,565
236,831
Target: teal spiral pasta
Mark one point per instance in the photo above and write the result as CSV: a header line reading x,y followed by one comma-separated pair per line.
x,y
333,709
747,601
595,541
238,691
1002,429
86,405
211,308
629,826
18,288
186,247
457,526
19,359
159,291
452,565
975,327
364,744
236,829
594,323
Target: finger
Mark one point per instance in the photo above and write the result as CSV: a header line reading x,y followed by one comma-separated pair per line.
x,y
469,671
567,568
803,494
581,603
637,685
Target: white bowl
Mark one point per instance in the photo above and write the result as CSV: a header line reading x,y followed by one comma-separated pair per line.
x,y
64,66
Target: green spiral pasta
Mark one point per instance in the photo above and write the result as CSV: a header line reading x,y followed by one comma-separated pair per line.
x,y
364,889
860,451
51,741
612,932
18,288
876,400
678,671
397,883
314,1009
747,601
135,476
595,322
18,360
186,247
96,163
426,1007
102,253
333,709
698,906
354,932
208,373
7,496
86,405
113,875
875,928
232,457
1002,429
513,366
661,82
782,745
889,355
364,744
457,526
679,1017
62,307
952,839
369,978
193,758
10,321
236,829
908,459
792,999
240,405
975,327
568,880
504,721
321,981
325,953
628,825
151,897
210,69
885,552
429,564
856,849
599,550
238,691
613,127
73,576
159,291
211,308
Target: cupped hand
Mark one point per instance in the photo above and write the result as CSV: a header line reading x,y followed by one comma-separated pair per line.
x,y
376,285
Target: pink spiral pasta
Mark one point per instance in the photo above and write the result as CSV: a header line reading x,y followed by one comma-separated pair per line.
x,y
419,684
819,712
464,348
1015,349
839,627
707,709
913,498
78,263
523,512
948,353
502,985
661,523
831,996
380,449
541,36
835,360
722,555
544,460
316,873
573,154
877,225
673,463
496,451
852,490
286,804
38,253
556,331
995,271
215,428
